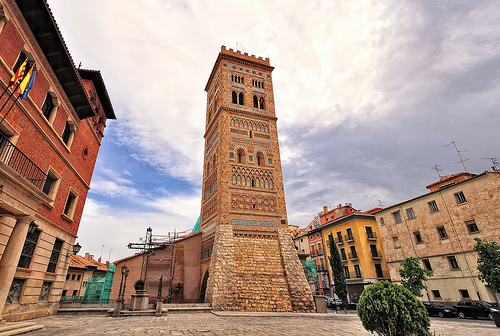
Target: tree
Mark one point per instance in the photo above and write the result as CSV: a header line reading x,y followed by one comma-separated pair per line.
x,y
488,263
392,310
412,276
338,272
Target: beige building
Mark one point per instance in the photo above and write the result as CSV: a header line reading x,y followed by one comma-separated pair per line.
x,y
439,229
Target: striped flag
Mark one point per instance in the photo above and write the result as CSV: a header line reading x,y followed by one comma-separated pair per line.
x,y
19,74
24,83
29,86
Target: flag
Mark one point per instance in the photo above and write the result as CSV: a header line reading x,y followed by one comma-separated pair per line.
x,y
30,85
19,73
26,79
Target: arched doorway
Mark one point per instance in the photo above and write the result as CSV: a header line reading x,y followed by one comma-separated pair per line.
x,y
204,287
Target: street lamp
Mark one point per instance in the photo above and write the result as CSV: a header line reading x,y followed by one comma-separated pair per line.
x,y
124,271
74,250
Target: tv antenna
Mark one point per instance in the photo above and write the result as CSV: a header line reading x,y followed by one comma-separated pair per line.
x,y
437,169
380,204
460,156
494,161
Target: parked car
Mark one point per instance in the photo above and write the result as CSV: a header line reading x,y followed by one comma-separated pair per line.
x,y
337,304
438,309
475,309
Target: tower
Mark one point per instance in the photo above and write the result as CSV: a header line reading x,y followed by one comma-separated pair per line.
x,y
248,259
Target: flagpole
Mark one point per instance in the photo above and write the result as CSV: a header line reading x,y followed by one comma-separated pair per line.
x,y
25,72
9,109
13,91
4,91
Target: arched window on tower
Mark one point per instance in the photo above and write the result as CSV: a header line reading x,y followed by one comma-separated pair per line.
x,y
241,156
255,102
235,98
260,159
240,98
261,103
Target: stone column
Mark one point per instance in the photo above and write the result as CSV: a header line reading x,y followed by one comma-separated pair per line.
x,y
10,257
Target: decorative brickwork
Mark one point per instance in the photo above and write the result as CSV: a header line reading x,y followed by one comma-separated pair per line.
x,y
253,265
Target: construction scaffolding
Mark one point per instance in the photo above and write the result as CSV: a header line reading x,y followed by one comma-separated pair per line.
x,y
158,255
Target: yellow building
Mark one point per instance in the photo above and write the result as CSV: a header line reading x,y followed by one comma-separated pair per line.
x,y
356,236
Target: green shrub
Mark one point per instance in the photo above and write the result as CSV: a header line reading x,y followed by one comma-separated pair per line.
x,y
391,310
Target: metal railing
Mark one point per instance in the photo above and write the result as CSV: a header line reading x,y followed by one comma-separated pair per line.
x,y
320,252
313,254
384,274
355,275
353,256
376,254
343,257
371,235
339,240
18,161
348,238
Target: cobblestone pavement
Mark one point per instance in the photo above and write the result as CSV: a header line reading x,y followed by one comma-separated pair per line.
x,y
235,324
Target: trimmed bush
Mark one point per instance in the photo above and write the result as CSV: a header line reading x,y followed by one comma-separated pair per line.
x,y
391,310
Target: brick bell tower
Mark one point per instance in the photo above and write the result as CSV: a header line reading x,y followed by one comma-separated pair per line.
x,y
249,262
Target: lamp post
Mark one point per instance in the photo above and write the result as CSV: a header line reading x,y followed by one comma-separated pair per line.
x,y
121,293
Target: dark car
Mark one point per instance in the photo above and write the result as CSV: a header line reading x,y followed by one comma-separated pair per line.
x,y
475,309
438,309
337,304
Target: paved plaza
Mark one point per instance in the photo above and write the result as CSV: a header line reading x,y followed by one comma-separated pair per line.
x,y
238,324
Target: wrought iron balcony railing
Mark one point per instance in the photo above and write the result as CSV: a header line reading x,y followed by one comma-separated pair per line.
x,y
339,240
371,235
376,254
384,274
320,252
18,161
353,256
348,238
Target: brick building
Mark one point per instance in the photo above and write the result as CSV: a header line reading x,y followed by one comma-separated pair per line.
x,y
48,148
247,252
439,229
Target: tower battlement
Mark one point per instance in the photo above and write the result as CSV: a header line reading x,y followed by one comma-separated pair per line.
x,y
239,54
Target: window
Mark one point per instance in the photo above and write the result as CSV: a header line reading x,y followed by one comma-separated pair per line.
x,y
464,293
418,237
261,103
339,239
78,277
231,155
317,235
241,156
20,59
382,221
240,98
396,242
67,277
453,262
73,277
460,197
260,159
397,216
51,184
48,107
255,102
427,264
54,256
346,272
378,271
69,208
269,161
357,271
409,213
436,294
75,292
349,236
342,254
28,249
376,254
68,134
44,292
235,97
442,232
369,233
15,291
471,226
433,206
353,254
64,292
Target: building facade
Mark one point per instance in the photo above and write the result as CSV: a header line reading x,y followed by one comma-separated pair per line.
x,y
248,257
355,234
439,229
48,148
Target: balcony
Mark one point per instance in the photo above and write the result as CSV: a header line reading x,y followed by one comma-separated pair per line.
x,y
376,254
343,257
348,238
21,164
371,235
313,254
355,275
339,240
383,274
353,256
320,252
321,269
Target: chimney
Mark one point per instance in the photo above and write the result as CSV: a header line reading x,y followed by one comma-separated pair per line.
x,y
325,209
99,260
87,256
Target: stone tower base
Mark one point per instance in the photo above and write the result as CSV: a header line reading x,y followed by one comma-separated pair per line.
x,y
257,271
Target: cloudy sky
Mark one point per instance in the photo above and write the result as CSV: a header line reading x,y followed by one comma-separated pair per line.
x,y
368,94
